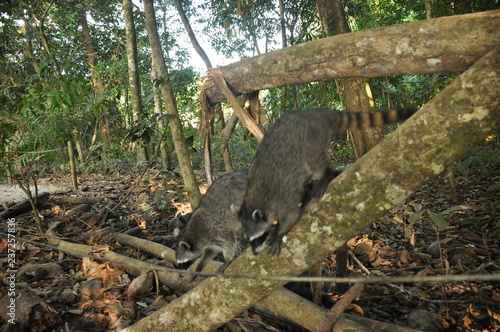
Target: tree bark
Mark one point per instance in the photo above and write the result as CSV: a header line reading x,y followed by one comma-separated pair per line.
x,y
451,124
446,44
133,75
162,124
161,74
228,165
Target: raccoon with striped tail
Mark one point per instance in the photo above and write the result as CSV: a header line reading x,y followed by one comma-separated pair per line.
x,y
212,228
291,163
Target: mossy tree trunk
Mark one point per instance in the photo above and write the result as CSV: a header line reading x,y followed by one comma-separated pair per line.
x,y
445,44
133,76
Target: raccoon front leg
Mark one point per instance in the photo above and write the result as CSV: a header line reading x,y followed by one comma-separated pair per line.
x,y
284,226
207,256
224,266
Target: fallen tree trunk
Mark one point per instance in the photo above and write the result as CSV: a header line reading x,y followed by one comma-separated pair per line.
x,y
450,125
289,306
23,207
446,44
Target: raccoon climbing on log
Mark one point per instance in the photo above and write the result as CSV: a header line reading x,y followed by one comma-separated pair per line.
x,y
212,228
291,167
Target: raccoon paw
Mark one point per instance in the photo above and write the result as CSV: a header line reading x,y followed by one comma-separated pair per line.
x,y
274,249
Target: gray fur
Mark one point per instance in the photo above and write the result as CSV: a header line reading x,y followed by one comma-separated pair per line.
x,y
291,167
213,228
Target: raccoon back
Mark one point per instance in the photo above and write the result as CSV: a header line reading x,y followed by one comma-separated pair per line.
x,y
213,225
294,150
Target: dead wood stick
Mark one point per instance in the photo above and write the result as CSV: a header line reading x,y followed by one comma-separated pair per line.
x,y
248,121
77,200
334,313
100,218
132,266
288,306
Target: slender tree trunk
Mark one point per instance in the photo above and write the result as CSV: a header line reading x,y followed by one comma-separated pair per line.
x,y
133,76
161,75
162,124
40,31
102,119
207,155
356,91
207,152
29,47
228,165
191,35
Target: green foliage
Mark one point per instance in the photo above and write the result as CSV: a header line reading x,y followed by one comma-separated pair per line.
x,y
364,15
162,199
141,203
343,151
438,219
237,25
48,91
8,128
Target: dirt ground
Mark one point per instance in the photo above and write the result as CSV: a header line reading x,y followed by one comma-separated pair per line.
x,y
14,194
60,292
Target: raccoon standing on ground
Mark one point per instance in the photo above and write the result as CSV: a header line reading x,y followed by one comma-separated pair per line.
x,y
291,164
213,228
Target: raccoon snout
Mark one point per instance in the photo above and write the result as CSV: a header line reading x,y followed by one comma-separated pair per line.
x,y
257,247
258,244
183,265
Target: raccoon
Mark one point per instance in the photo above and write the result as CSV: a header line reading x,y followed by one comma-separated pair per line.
x,y
212,228
291,167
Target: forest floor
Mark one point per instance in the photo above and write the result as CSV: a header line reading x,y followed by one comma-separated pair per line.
x,y
60,292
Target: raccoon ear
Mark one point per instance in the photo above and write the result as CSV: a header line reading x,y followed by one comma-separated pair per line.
x,y
235,208
258,215
183,245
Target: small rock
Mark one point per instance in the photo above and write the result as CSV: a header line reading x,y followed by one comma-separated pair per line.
x,y
433,249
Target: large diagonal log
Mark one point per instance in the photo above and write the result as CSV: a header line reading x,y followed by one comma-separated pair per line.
x,y
446,128
446,44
